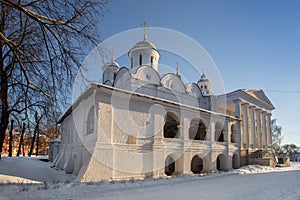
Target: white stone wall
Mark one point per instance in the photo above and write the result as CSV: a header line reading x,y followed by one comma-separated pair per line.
x,y
106,154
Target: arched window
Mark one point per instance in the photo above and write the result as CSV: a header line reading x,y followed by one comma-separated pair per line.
x,y
169,166
197,130
141,61
90,121
196,165
221,162
219,133
171,126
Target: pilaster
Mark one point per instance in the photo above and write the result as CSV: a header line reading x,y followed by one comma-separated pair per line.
x,y
259,132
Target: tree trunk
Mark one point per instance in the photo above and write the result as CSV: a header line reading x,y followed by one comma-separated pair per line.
x,y
23,149
10,138
21,139
37,140
3,90
32,142
34,134
4,106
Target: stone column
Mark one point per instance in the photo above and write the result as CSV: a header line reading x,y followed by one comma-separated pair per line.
x,y
259,133
212,131
226,132
253,131
186,154
158,128
269,129
158,151
185,128
264,129
246,125
238,125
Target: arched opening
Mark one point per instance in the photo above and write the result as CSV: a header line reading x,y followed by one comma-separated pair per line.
x,y
169,166
235,161
171,126
221,162
196,165
90,121
233,134
219,132
197,130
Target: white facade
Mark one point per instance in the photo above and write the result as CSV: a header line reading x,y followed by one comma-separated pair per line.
x,y
140,124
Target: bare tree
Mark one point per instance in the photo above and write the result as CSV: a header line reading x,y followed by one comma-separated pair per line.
x,y
42,44
35,133
10,138
21,142
276,135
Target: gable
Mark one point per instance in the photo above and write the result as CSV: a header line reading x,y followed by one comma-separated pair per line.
x,y
259,94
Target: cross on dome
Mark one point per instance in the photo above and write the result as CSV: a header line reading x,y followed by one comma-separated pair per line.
x,y
144,25
177,63
203,76
113,53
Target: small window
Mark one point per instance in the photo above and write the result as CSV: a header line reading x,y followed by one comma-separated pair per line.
x,y
151,61
90,121
141,59
131,62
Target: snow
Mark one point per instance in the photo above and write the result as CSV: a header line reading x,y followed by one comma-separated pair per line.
x,y
30,170
23,177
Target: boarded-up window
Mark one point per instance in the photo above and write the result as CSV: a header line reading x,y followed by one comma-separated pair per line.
x,y
131,139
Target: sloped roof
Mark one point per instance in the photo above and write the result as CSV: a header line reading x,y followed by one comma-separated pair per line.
x,y
259,94
253,96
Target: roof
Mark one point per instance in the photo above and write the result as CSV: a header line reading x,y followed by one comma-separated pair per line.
x,y
56,140
252,95
144,43
203,78
111,64
94,86
259,94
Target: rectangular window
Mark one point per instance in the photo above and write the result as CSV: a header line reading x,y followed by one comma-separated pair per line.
x,y
151,61
140,59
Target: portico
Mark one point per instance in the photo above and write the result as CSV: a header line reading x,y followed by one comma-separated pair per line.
x,y
253,108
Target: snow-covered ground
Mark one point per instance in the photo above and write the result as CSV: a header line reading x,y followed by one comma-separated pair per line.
x,y
30,170
249,182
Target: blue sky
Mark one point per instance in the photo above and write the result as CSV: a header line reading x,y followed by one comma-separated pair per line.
x,y
255,44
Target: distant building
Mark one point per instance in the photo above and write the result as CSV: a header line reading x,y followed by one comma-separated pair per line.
x,y
15,144
139,124
43,144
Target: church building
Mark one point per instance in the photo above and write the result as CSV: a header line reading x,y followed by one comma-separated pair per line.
x,y
138,123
